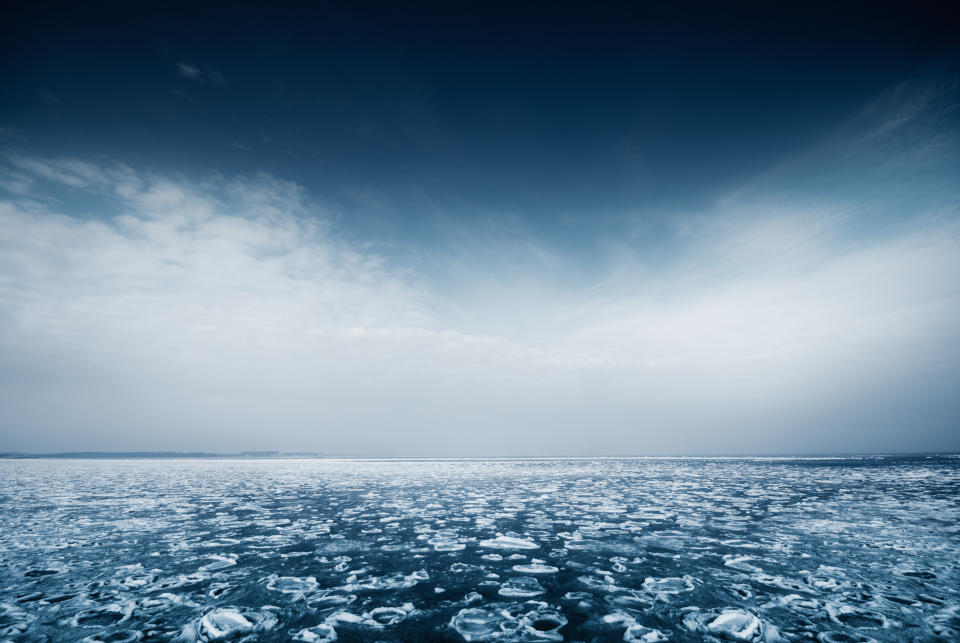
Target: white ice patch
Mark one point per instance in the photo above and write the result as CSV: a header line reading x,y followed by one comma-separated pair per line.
x,y
475,624
389,615
291,584
224,622
668,585
521,587
391,582
739,624
638,633
322,633
377,618
508,542
516,622
735,624
536,567
635,632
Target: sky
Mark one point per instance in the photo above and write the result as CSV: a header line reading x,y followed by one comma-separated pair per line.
x,y
467,229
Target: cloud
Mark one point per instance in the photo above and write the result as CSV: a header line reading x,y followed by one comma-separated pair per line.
x,y
232,313
189,71
194,73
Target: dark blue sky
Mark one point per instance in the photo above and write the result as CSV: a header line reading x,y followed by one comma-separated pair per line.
x,y
473,229
398,112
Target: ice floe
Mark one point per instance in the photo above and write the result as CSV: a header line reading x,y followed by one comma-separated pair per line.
x,y
291,584
521,587
475,624
732,624
321,633
227,622
536,567
531,621
376,618
637,633
508,542
668,585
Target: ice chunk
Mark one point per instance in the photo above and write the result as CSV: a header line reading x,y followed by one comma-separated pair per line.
x,y
630,599
388,615
668,585
508,542
637,633
322,633
536,568
475,624
521,587
615,618
737,624
292,584
343,616
224,622
393,581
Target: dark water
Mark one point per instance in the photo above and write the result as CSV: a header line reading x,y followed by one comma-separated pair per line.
x,y
508,550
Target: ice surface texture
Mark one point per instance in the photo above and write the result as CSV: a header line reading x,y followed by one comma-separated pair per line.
x,y
850,549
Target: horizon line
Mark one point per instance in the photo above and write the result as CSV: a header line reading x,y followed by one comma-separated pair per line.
x,y
313,455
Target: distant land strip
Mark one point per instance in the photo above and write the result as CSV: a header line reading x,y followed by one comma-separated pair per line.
x,y
127,455
184,455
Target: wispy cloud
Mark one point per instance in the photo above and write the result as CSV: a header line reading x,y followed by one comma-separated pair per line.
x,y
197,74
189,71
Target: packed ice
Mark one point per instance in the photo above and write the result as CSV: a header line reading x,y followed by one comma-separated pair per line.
x,y
632,549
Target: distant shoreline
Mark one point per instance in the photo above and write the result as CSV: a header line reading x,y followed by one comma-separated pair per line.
x,y
155,455
279,455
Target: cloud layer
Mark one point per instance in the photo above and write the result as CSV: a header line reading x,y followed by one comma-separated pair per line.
x,y
227,314
800,314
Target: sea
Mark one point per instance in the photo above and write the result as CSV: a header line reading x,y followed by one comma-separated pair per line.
x,y
579,549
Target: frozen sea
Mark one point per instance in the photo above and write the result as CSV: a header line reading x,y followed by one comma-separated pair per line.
x,y
610,549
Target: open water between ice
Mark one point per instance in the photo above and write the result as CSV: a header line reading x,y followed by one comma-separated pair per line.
x,y
845,549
